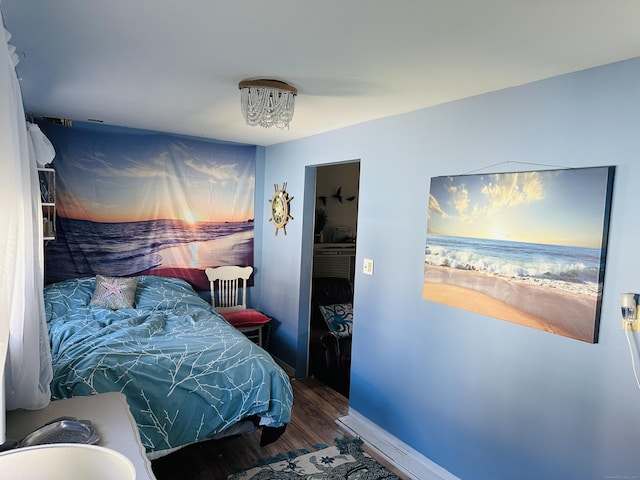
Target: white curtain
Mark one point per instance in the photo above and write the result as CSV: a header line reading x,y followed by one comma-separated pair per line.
x,y
28,369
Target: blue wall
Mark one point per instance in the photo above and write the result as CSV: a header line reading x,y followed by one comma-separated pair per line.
x,y
484,398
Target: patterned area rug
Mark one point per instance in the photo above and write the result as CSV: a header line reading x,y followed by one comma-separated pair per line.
x,y
345,461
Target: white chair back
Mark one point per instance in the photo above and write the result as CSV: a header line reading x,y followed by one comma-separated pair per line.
x,y
231,292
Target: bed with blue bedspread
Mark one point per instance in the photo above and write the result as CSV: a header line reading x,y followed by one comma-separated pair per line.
x,y
186,373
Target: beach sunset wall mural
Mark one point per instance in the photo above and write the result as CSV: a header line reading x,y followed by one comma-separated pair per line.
x,y
525,247
135,203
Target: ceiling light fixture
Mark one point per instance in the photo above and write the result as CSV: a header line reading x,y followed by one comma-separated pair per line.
x,y
267,102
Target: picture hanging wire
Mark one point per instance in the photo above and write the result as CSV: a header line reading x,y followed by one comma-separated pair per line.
x,y
519,163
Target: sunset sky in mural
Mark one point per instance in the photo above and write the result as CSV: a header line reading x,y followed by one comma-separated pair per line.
x,y
556,207
127,181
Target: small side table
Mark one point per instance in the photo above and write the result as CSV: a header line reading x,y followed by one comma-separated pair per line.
x,y
108,412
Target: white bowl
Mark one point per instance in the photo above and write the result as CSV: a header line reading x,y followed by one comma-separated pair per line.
x,y
65,461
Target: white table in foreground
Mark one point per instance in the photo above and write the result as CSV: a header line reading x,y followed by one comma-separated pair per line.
x,y
110,415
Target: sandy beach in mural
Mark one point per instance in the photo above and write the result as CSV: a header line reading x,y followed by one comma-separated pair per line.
x,y
531,303
235,249
189,260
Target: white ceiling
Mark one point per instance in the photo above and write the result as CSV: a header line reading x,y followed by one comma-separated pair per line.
x,y
174,65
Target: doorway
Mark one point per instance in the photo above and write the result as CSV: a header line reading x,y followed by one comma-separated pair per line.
x,y
333,273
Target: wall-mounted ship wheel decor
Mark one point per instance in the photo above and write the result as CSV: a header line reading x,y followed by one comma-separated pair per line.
x,y
280,210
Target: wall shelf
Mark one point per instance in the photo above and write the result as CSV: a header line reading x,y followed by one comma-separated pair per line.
x,y
47,180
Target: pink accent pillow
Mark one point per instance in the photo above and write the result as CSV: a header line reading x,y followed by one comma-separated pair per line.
x,y
248,316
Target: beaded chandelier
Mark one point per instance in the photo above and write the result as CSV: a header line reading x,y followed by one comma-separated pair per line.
x,y
267,102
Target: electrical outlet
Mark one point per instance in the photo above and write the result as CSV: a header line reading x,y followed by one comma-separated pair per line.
x,y
367,268
634,327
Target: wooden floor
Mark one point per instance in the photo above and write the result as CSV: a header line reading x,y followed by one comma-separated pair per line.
x,y
313,420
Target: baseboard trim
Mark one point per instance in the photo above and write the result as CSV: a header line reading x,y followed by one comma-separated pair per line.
x,y
409,461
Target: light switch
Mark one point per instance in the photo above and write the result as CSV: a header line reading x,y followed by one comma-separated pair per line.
x,y
367,268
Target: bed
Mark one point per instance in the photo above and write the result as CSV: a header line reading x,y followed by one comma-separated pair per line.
x,y
187,374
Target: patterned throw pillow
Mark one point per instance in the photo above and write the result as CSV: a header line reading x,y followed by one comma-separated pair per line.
x,y
339,318
114,292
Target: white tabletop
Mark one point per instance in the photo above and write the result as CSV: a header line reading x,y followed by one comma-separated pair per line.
x,y
108,412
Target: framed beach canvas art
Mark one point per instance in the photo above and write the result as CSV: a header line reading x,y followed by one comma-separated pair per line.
x,y
524,247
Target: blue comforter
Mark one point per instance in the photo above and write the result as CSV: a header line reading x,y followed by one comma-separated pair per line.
x,y
187,374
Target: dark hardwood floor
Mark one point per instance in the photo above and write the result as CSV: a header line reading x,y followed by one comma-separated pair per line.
x,y
316,408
